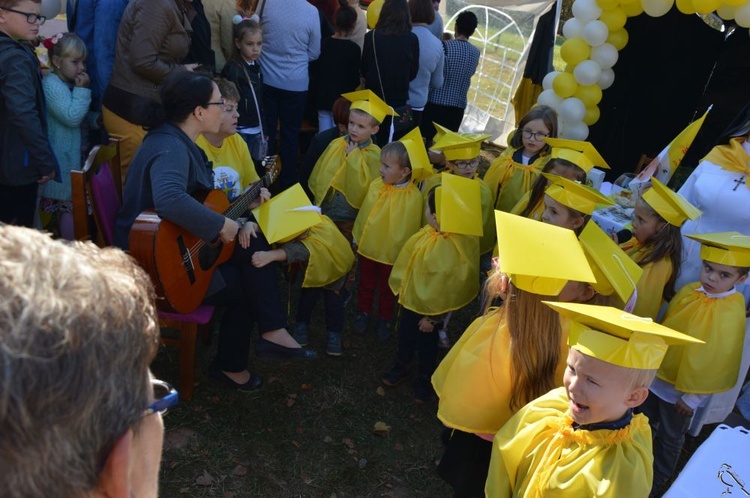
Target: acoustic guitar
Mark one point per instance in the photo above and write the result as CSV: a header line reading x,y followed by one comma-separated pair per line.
x,y
179,263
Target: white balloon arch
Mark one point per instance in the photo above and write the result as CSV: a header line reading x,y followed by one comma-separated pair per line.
x,y
594,36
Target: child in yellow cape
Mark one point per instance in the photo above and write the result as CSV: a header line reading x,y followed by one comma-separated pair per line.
x,y
583,439
434,274
657,245
568,204
511,175
308,237
711,310
341,176
571,159
461,152
390,214
508,356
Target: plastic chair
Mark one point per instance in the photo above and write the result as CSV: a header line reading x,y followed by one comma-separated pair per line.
x,y
99,181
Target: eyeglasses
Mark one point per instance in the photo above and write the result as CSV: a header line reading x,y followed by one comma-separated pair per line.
x,y
165,397
31,17
220,103
535,135
466,164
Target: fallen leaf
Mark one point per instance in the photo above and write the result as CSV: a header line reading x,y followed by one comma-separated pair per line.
x,y
351,451
348,442
380,391
297,444
205,480
292,395
290,402
184,490
306,387
240,470
398,447
381,428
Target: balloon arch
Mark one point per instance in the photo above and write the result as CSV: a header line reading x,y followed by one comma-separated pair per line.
x,y
594,36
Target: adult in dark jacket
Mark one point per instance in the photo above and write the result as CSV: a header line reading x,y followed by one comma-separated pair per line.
x,y
390,60
167,169
26,158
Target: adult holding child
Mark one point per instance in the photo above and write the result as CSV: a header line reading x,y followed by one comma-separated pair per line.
x,y
164,181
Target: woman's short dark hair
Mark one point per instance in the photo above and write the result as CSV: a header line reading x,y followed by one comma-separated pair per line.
x,y
182,92
345,18
340,111
466,23
394,18
422,11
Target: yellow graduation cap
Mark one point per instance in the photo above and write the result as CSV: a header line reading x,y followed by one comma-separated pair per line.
x,y
582,154
287,215
440,131
575,195
538,257
420,162
725,248
618,337
614,270
458,146
670,205
459,206
367,101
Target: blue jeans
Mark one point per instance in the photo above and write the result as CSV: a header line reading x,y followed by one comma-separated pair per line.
x,y
287,108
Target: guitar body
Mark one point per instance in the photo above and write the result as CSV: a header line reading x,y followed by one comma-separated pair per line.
x,y
181,276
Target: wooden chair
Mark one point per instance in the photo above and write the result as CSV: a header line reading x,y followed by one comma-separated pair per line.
x,y
99,182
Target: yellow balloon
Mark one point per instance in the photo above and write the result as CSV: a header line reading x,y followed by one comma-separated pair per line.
x,y
569,68
592,115
607,4
575,51
734,3
632,9
618,38
373,13
685,6
590,95
705,6
614,19
628,2
565,85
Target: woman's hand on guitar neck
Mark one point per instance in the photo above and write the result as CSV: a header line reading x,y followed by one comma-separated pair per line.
x,y
249,229
229,230
263,196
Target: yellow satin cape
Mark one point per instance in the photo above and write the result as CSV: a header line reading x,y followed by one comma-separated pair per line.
x,y
720,322
731,157
509,180
350,174
536,213
539,454
331,255
388,217
650,286
436,272
473,380
489,234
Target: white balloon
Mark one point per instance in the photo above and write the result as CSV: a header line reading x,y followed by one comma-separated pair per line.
x,y
595,33
575,130
586,10
657,8
547,81
587,72
573,28
50,8
742,15
606,79
572,110
605,55
550,98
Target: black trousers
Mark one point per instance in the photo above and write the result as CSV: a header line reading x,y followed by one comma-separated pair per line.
x,y
445,115
465,462
17,204
411,341
334,307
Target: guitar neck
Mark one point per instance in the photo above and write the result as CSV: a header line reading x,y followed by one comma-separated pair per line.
x,y
240,205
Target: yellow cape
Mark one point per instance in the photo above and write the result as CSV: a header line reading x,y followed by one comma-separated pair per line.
x,y
721,324
650,286
536,213
388,217
509,180
350,174
489,234
436,272
731,157
473,380
331,255
538,454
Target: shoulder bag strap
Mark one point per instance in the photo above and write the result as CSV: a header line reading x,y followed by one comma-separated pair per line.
x,y
382,89
255,99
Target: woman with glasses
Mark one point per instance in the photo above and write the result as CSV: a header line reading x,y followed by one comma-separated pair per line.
x,y
26,157
513,173
165,181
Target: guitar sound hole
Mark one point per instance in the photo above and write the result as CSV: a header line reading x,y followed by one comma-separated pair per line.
x,y
208,255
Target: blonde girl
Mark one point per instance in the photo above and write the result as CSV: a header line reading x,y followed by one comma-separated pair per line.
x,y
531,204
512,174
68,99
